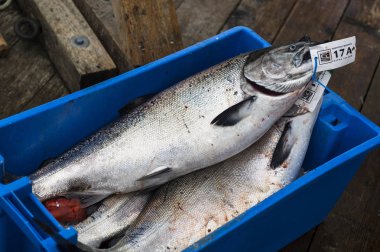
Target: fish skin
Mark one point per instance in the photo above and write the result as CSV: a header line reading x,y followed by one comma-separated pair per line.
x,y
112,217
191,207
173,130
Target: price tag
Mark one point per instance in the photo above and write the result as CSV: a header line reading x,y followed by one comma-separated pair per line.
x,y
334,54
313,92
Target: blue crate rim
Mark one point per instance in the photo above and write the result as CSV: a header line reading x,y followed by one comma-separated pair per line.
x,y
255,210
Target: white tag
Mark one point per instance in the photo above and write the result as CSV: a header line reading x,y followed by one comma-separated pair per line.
x,y
334,54
313,92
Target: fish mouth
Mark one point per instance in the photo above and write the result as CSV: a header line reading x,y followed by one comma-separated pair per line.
x,y
263,89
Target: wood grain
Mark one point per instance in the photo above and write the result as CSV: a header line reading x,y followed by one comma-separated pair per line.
x,y
352,81
148,30
23,72
7,18
312,18
366,12
201,19
3,45
371,106
100,17
61,22
177,3
52,89
264,17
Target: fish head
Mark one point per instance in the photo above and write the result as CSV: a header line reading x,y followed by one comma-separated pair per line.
x,y
281,69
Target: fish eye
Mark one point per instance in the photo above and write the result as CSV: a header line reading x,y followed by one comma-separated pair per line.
x,y
292,48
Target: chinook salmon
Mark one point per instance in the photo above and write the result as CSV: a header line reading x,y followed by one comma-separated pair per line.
x,y
199,122
193,206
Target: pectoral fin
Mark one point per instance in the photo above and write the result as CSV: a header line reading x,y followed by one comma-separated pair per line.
x,y
235,114
156,172
283,147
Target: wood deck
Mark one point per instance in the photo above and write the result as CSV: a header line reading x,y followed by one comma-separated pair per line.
x,y
28,78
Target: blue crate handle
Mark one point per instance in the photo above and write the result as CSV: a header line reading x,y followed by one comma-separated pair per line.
x,y
15,208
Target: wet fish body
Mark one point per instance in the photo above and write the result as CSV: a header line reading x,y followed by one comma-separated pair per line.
x,y
113,216
191,207
199,122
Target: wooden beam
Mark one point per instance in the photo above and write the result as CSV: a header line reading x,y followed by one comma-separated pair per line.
x,y
148,29
100,17
264,17
73,47
200,19
3,45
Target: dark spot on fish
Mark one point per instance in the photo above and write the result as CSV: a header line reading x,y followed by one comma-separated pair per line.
x,y
209,230
179,206
212,144
186,107
190,85
237,134
235,93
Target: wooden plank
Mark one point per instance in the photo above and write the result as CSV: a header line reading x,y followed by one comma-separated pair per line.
x,y
366,12
52,90
8,17
200,19
371,106
148,30
23,72
352,81
341,234
264,17
177,3
312,18
100,17
3,45
302,243
79,65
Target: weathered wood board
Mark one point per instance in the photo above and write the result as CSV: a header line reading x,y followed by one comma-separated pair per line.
x,y
24,70
199,19
264,17
100,16
148,30
79,64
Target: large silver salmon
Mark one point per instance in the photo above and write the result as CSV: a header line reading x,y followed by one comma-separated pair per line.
x,y
191,207
199,122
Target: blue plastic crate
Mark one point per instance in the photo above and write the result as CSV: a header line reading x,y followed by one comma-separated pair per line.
x,y
341,139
